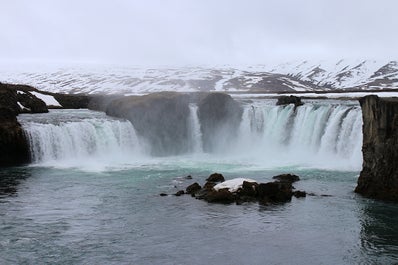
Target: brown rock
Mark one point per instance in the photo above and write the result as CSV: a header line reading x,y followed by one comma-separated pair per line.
x,y
275,192
220,196
287,178
379,176
193,188
215,177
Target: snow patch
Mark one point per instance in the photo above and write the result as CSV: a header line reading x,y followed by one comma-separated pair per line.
x,y
49,100
233,184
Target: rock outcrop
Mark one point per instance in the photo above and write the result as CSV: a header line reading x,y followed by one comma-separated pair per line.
x,y
13,144
286,100
163,119
220,117
76,101
379,175
31,103
241,190
160,118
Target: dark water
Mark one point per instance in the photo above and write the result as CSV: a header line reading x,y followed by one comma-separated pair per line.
x,y
66,216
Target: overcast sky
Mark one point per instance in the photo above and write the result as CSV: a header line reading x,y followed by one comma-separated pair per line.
x,y
159,32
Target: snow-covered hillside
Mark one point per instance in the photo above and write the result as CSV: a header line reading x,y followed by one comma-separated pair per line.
x,y
345,74
294,76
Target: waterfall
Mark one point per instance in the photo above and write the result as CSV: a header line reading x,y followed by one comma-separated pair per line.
x,y
311,134
79,138
314,135
195,132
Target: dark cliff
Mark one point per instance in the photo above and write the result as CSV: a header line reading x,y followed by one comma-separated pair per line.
x,y
14,148
220,116
163,119
160,118
379,175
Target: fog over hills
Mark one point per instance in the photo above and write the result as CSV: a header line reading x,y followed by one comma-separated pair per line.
x,y
293,76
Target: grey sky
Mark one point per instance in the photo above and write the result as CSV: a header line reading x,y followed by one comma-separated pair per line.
x,y
197,31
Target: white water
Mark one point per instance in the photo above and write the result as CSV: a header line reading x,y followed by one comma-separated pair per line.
x,y
315,135
80,138
196,134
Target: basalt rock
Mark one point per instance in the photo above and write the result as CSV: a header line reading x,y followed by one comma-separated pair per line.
x,y
31,102
216,177
286,100
299,194
160,118
13,143
220,196
275,192
379,176
193,188
76,101
287,178
240,190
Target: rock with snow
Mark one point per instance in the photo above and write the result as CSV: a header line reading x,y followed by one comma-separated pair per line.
x,y
233,185
48,99
31,102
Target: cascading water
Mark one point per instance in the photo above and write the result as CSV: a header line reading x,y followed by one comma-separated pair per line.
x,y
78,136
313,135
325,135
196,134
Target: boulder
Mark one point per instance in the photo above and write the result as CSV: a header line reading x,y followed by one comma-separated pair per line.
x,y
286,100
274,192
299,194
379,176
220,196
215,177
287,178
220,116
193,188
179,193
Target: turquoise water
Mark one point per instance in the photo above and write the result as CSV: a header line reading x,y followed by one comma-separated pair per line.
x,y
53,215
91,195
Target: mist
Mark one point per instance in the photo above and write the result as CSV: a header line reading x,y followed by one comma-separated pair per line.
x,y
172,32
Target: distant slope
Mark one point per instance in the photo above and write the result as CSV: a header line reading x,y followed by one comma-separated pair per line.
x,y
345,74
293,76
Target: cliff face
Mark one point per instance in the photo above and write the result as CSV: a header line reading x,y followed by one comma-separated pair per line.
x,y
163,119
14,148
379,176
220,116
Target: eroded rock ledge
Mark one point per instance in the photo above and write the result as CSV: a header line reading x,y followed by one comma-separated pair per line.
x,y
379,176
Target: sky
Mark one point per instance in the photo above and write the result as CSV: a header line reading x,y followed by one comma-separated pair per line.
x,y
197,32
